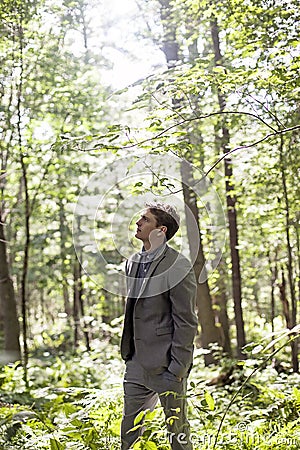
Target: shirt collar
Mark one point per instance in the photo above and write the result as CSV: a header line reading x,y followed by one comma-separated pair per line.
x,y
150,256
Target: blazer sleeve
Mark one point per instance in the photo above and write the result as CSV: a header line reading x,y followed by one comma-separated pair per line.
x,y
183,300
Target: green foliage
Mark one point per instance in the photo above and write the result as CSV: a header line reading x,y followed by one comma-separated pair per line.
x,y
67,131
251,408
62,416
70,418
262,408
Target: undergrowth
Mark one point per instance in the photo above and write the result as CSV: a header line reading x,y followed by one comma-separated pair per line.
x,y
75,402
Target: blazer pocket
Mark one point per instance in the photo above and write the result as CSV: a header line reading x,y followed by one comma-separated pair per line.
x,y
164,330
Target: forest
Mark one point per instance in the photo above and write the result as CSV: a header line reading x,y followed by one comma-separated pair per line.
x,y
104,107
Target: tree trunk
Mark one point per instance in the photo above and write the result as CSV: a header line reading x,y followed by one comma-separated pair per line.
x,y
297,227
284,300
24,181
224,321
170,45
9,323
63,256
286,313
293,316
210,333
11,327
85,329
25,269
274,275
221,301
82,309
76,302
231,210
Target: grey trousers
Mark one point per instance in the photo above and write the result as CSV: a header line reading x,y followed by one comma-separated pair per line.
x,y
142,391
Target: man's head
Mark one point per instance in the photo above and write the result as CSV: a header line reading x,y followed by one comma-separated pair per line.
x,y
159,220
166,216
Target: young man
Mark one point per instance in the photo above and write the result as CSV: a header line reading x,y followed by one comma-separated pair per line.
x,y
159,328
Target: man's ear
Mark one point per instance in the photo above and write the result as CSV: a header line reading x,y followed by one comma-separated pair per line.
x,y
164,229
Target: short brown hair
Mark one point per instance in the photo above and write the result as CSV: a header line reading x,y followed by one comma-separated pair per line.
x,y
165,215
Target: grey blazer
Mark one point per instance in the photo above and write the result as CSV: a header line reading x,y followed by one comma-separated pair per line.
x,y
160,322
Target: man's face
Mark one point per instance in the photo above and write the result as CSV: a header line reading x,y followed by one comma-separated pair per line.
x,y
145,225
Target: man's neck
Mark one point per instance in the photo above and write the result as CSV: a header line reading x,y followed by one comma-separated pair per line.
x,y
148,247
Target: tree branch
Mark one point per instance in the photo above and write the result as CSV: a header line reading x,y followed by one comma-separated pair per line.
x,y
242,147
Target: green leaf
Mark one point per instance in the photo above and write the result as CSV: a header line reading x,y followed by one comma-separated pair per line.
x,y
113,138
56,445
136,427
219,69
139,417
209,400
296,393
150,445
138,446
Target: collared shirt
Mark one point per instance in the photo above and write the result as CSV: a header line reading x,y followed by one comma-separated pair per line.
x,y
145,260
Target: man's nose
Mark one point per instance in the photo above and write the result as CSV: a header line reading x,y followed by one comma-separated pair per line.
x,y
138,222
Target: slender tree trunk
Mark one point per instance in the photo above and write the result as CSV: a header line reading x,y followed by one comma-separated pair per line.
x,y
231,209
286,312
274,275
293,318
170,45
27,207
84,24
25,269
210,333
11,327
284,300
42,306
9,315
76,302
221,300
297,228
63,256
78,305
224,321
82,309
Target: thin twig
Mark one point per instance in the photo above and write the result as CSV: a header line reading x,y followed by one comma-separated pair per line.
x,y
205,116
241,147
188,120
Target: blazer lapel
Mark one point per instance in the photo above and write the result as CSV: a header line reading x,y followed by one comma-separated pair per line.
x,y
131,275
133,269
